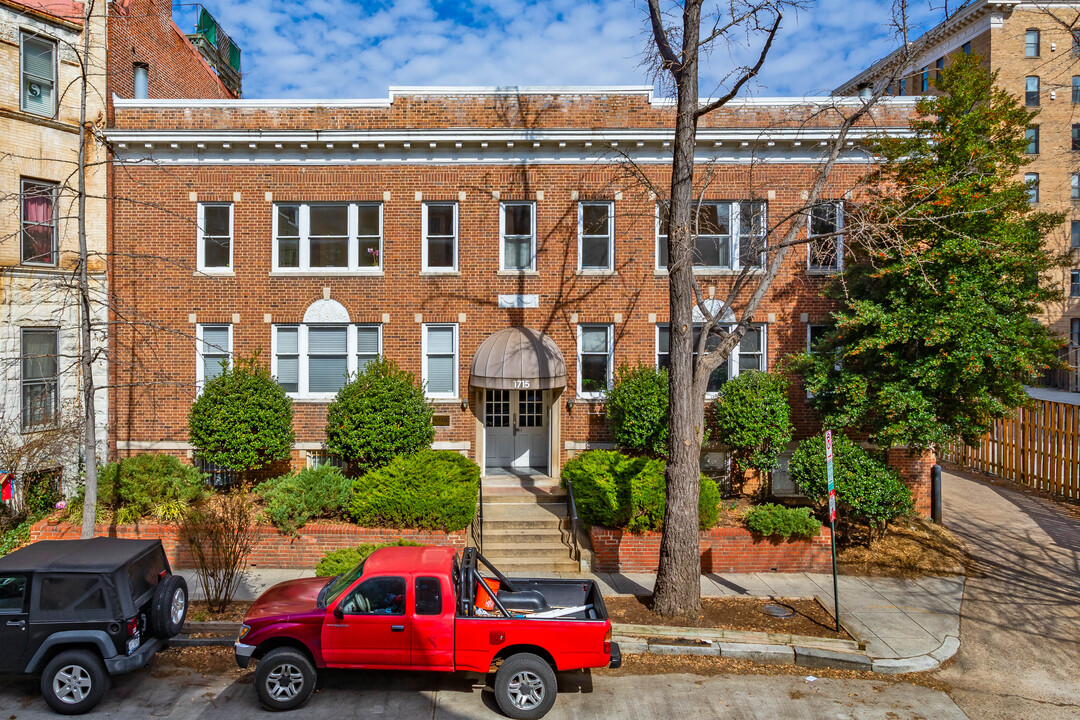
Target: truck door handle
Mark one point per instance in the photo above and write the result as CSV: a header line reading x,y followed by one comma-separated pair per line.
x,y
16,623
397,628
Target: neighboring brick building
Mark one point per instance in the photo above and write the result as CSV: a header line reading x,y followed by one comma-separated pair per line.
x,y
424,227
1035,49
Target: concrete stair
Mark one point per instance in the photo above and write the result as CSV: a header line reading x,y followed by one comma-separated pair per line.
x,y
526,529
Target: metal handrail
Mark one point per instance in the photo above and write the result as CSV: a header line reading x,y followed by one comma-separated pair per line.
x,y
571,511
478,519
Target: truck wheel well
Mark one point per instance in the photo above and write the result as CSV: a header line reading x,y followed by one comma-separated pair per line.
x,y
516,649
57,649
275,643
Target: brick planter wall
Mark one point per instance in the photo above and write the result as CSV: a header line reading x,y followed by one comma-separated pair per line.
x,y
722,550
274,550
914,470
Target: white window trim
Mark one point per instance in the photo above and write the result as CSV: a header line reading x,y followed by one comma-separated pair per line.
x,y
22,379
502,236
821,269
424,357
304,226
424,234
378,352
611,234
200,250
610,328
200,374
351,364
55,70
732,358
23,181
734,238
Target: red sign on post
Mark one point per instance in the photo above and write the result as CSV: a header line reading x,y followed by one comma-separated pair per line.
x,y
829,472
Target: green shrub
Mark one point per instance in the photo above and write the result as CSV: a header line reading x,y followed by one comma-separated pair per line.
x,y
337,562
379,414
776,520
15,536
753,419
637,409
430,489
618,491
145,485
242,419
867,491
293,499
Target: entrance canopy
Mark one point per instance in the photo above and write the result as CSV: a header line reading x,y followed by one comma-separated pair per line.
x,y
518,358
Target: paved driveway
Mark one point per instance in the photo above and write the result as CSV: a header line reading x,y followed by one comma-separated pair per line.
x,y
1020,621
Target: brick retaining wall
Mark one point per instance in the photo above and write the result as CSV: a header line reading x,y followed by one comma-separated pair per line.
x,y
274,550
722,550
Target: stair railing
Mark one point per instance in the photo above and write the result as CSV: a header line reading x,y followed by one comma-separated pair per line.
x,y
571,513
477,530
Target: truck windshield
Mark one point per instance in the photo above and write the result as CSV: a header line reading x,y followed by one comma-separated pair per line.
x,y
342,583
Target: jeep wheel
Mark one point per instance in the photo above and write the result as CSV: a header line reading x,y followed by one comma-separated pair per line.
x,y
284,679
168,609
525,687
74,682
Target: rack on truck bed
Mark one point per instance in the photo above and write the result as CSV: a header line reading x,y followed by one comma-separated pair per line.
x,y
479,596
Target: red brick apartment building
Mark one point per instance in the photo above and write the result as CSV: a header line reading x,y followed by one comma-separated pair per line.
x,y
502,244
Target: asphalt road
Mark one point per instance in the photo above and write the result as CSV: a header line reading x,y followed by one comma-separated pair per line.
x,y
1020,620
167,692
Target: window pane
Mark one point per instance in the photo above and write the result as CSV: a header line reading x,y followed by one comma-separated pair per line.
x,y
823,219
38,59
216,252
717,379
663,339
440,377
714,219
288,341
440,219
326,374
1074,233
710,251
440,340
368,220
288,221
329,252
38,223
215,339
288,373
216,220
369,252
289,253
213,365
367,340
594,219
517,253
518,219
441,252
329,219
594,340
751,341
594,253
327,340
12,589
381,596
594,373
428,596
39,354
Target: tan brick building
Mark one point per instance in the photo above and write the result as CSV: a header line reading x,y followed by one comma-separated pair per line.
x,y
494,242
1035,49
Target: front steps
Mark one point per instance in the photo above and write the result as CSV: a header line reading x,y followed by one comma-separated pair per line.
x,y
526,529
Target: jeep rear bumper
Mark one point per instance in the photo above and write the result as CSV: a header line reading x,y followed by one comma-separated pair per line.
x,y
243,653
119,664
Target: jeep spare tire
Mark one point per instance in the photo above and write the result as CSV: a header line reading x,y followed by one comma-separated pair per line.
x,y
168,609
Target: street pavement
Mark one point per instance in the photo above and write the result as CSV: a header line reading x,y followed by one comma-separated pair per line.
x,y
164,692
1020,621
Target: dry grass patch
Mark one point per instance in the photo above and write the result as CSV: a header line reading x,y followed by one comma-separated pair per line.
x,y
910,547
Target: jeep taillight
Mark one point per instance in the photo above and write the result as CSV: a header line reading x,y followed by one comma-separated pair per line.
x,y
133,626
607,641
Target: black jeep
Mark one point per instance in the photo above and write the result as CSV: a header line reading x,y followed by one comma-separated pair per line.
x,y
78,611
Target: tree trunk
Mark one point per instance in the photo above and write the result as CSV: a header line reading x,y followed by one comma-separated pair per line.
x,y
678,589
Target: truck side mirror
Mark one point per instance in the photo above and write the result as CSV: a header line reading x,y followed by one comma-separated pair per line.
x,y
338,613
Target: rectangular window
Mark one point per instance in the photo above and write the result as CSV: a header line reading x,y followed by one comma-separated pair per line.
x,y
428,596
924,82
215,232
287,357
814,333
1074,235
717,226
327,357
1031,91
1076,137
517,227
319,458
1074,332
594,360
1074,283
39,246
712,235
12,593
1075,189
316,360
214,344
903,84
596,236
749,354
328,236
40,377
1032,182
1076,43
1031,43
825,222
1076,89
440,236
1032,136
938,67
751,233
38,60
440,351
966,48
368,345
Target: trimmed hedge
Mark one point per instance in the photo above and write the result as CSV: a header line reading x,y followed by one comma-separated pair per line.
x,y
753,418
429,490
637,409
619,491
779,521
343,560
144,485
291,500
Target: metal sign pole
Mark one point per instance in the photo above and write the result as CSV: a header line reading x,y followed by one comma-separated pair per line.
x,y
832,524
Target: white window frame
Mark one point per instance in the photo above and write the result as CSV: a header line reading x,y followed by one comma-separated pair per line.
x,y
23,382
502,236
838,238
424,360
588,394
610,235
457,235
732,358
302,380
303,220
23,36
355,329
23,182
200,250
200,360
734,236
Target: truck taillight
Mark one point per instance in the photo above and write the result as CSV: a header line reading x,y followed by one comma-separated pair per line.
x,y
607,641
133,626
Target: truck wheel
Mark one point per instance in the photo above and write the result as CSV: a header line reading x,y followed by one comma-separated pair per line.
x,y
74,682
168,609
525,687
284,679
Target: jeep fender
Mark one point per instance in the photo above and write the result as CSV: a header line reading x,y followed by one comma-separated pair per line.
x,y
69,638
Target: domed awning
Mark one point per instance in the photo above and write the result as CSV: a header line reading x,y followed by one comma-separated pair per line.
x,y
518,358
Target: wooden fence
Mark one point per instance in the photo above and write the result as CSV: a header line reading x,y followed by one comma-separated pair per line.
x,y
1037,447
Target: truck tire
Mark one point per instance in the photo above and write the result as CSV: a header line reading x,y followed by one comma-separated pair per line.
x,y
284,679
74,682
525,686
168,609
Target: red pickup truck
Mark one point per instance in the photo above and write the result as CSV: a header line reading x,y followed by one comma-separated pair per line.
x,y
419,608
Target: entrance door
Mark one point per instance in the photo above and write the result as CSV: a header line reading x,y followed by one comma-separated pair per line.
x,y
516,429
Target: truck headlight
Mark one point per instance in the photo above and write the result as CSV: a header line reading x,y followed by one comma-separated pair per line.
x,y
244,630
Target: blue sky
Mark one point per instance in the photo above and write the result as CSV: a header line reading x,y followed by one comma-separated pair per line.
x,y
348,49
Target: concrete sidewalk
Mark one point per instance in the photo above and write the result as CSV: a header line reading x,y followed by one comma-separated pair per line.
x,y
895,618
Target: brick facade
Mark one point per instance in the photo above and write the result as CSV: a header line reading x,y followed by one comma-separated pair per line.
x,y
722,550
914,469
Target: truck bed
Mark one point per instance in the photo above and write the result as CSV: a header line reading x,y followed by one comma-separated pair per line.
x,y
555,594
